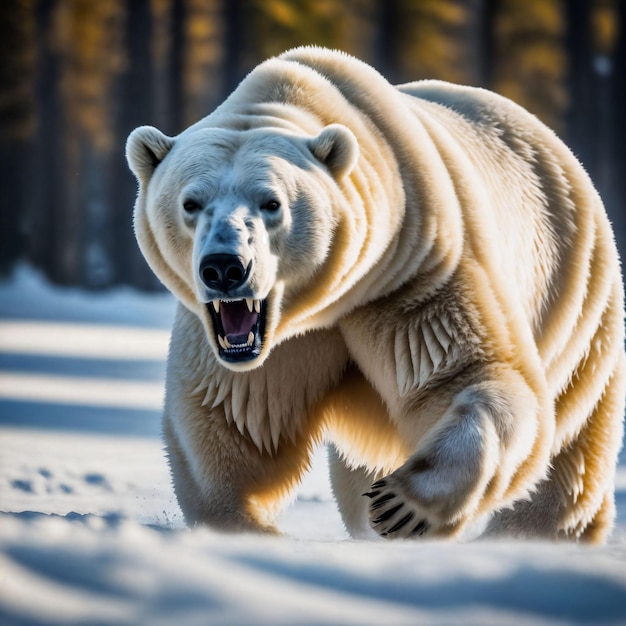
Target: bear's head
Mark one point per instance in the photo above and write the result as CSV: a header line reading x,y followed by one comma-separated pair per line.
x,y
237,224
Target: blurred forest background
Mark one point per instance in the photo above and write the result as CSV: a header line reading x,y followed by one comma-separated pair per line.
x,y
78,75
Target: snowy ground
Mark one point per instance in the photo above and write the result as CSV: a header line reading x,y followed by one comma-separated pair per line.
x,y
90,532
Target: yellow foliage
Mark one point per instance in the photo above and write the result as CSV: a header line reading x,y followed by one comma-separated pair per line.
x,y
530,64
605,25
17,69
277,25
89,42
161,40
203,56
432,39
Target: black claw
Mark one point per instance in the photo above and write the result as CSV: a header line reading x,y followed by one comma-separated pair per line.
x,y
421,528
378,503
403,522
387,514
379,484
371,494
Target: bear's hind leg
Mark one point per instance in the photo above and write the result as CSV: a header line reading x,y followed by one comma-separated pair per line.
x,y
533,518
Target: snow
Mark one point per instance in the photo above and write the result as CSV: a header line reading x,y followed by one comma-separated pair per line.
x,y
90,532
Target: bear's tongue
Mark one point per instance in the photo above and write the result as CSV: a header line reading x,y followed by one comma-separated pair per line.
x,y
237,320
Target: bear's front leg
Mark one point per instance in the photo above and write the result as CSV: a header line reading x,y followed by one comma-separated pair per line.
x,y
222,480
213,473
488,448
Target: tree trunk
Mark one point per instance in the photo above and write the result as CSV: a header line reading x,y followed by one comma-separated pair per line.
x,y
581,107
52,240
17,124
136,108
617,199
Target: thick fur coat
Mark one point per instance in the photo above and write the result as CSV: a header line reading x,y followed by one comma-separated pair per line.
x,y
422,276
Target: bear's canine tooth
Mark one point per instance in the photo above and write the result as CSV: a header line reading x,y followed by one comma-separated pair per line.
x,y
216,305
249,304
224,342
250,338
257,306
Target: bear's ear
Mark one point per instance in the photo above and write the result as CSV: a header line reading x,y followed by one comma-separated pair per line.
x,y
146,147
337,148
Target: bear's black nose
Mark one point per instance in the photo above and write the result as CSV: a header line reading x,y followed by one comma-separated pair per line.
x,y
222,272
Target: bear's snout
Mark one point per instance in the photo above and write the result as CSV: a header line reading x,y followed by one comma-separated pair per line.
x,y
223,272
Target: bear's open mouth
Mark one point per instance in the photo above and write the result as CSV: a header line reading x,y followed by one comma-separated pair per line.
x,y
239,327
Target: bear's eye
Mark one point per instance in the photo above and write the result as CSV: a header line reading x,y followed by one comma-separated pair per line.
x,y
270,205
191,206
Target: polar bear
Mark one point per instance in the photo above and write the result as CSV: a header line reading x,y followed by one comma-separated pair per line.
x,y
422,276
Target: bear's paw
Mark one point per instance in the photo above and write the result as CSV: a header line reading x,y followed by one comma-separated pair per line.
x,y
392,516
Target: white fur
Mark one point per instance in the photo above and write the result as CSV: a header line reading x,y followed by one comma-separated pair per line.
x,y
442,300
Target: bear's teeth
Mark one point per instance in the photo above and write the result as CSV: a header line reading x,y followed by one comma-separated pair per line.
x,y
250,304
216,305
257,306
224,342
250,338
